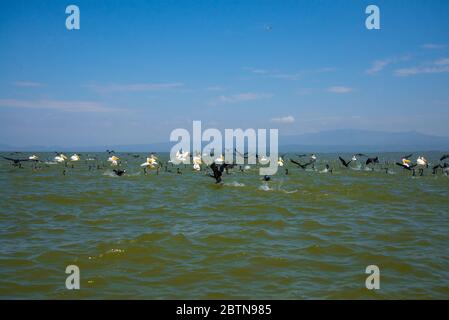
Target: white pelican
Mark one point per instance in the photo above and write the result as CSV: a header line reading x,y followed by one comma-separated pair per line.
x,y
60,158
219,160
33,157
263,160
197,162
150,163
406,162
75,157
422,161
114,160
182,156
280,162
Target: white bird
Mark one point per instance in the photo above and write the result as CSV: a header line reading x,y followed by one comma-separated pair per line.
x,y
197,162
219,160
75,157
263,160
422,161
182,156
60,158
280,162
114,160
406,162
151,162
33,157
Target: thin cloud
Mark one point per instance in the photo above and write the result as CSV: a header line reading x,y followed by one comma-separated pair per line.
x,y
30,84
433,46
442,62
241,97
305,91
256,71
215,88
292,76
379,65
59,105
274,74
340,89
326,69
284,120
436,67
135,87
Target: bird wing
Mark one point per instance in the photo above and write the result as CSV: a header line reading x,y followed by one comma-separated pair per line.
x,y
17,160
407,156
403,166
296,162
343,161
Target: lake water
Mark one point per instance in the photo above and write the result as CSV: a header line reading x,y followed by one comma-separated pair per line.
x,y
302,235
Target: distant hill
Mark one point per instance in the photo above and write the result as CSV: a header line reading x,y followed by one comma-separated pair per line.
x,y
324,141
364,140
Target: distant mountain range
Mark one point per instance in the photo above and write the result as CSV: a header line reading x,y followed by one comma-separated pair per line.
x,y
324,141
364,140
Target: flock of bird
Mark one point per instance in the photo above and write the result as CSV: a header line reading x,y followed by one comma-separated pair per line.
x,y
219,165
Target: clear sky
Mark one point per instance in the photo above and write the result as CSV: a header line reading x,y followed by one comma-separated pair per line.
x,y
138,69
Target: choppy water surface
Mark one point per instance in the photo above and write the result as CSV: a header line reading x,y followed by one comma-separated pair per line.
x,y
303,235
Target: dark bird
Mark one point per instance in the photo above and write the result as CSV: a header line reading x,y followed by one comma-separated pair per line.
x,y
266,178
372,160
344,162
302,166
17,162
110,151
435,168
218,171
444,157
405,166
119,172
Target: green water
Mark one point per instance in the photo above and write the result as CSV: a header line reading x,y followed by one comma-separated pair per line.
x,y
303,235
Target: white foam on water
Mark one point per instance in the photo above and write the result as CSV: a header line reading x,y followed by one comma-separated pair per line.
x,y
265,187
234,184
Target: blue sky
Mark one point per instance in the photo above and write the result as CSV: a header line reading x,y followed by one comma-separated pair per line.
x,y
138,69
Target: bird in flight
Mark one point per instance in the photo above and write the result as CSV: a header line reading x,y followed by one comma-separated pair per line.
x,y
344,162
218,171
406,166
119,172
17,162
302,166
372,160
114,160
